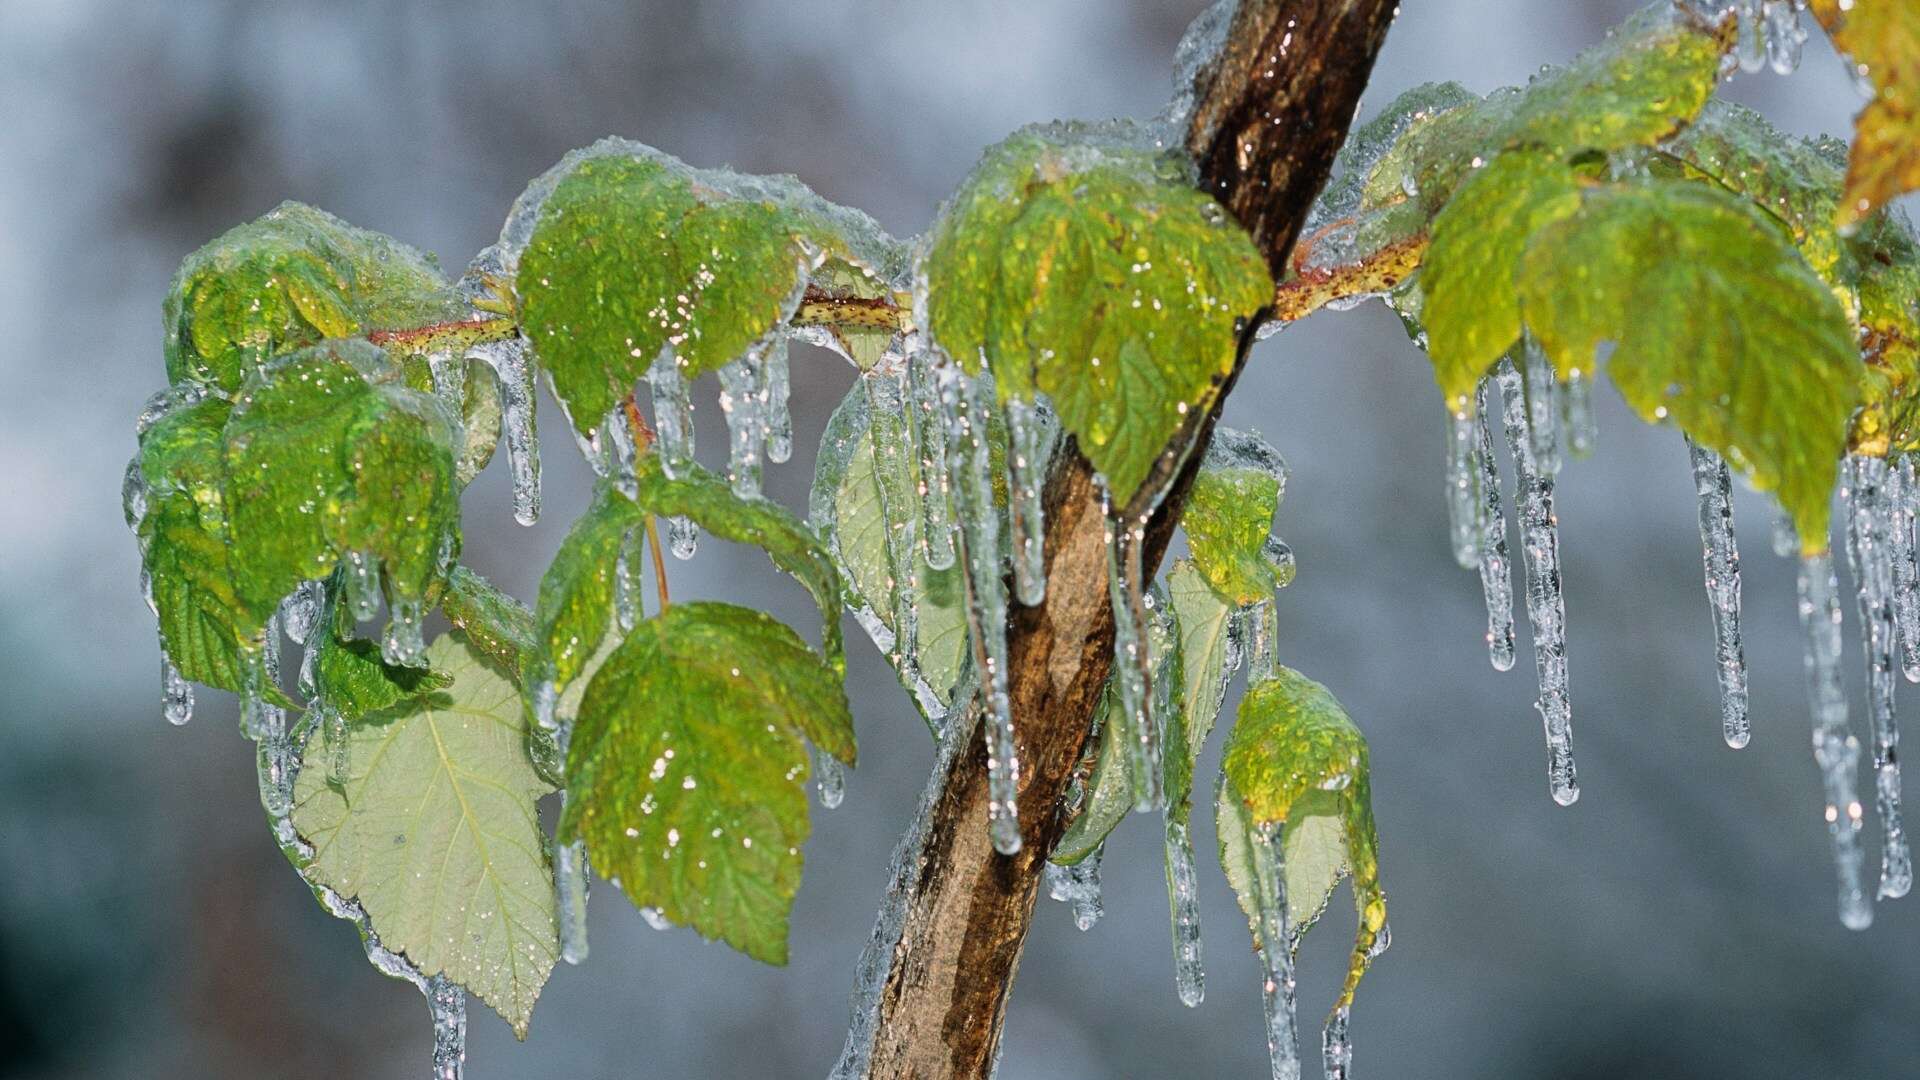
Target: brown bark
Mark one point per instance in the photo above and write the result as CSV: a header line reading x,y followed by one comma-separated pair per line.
x,y
1271,114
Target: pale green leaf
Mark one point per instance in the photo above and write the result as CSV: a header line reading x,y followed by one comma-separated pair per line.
x,y
1229,516
1314,844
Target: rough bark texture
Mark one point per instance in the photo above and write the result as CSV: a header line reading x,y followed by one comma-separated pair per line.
x,y
1272,113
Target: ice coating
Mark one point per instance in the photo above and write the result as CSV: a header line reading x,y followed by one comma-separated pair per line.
x,y
1870,514
1544,408
1496,567
1720,552
1336,1044
300,611
936,523
1902,497
360,573
628,573
966,403
1134,721
1183,905
885,385
1546,607
1835,749
514,373
571,875
447,1001
1079,886
1786,542
133,495
1199,46
1258,625
404,644
1028,449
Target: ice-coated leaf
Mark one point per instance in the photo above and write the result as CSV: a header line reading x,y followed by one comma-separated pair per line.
x,y
327,455
575,609
1204,621
850,517
496,624
1889,303
687,771
1882,39
204,624
628,257
1719,325
1095,273
1294,753
1642,84
1228,518
1314,843
480,411
289,279
349,674
1472,311
434,830
1109,789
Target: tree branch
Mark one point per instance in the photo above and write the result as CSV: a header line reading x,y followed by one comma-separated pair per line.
x,y
1271,114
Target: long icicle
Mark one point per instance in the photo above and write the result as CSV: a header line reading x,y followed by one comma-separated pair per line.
x,y
1546,607
1183,904
1720,552
1868,560
1902,493
514,373
1132,660
1276,948
1463,496
966,403
743,405
1496,567
1834,747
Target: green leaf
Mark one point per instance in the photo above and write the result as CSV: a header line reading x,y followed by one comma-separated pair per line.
x,y
630,256
289,279
1093,273
1642,84
1472,312
480,411
1719,324
687,771
1293,755
496,624
1314,845
350,676
435,832
321,462
1229,516
847,512
1204,621
575,610
1109,789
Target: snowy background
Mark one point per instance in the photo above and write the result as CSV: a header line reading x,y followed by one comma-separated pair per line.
x,y
1679,921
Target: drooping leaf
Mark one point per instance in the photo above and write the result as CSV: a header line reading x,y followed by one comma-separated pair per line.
x,y
1092,272
497,625
1882,39
289,279
1472,311
435,832
350,676
1294,755
1229,515
687,770
1109,791
847,512
575,610
326,456
1204,621
1718,324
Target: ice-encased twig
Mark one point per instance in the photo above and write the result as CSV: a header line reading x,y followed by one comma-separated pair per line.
x,y
1720,552
1834,747
1870,515
1546,607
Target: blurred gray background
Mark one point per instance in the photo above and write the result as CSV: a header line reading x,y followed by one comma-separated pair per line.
x,y
1678,922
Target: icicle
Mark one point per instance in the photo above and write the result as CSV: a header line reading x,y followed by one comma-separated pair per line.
x,y
965,405
300,611
447,1000
885,385
1750,46
1543,406
613,451
1463,498
266,724
1183,903
743,404
508,359
570,876
1576,401
1784,34
403,645
1078,885
1496,571
830,778
1276,948
1713,481
1280,556
449,374
1336,1047
1259,625
362,584
337,739
1834,747
1902,493
683,537
628,572
176,693
936,522
776,387
672,412
1027,453
1869,520
1546,607
1132,660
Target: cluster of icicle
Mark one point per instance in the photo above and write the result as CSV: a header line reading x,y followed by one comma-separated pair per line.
x,y
1535,410
1769,33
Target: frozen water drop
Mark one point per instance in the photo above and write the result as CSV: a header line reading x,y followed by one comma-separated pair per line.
x,y
777,387
1276,948
514,373
300,611
404,645
1132,659
830,778
1079,886
176,693
1903,495
936,521
1463,495
743,404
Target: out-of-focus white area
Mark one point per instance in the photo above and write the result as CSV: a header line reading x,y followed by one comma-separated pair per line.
x,y
1678,921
